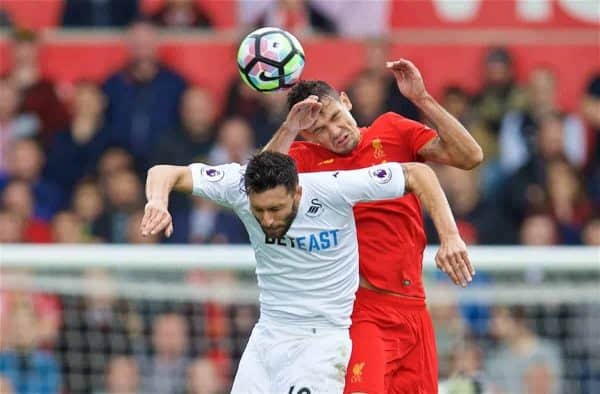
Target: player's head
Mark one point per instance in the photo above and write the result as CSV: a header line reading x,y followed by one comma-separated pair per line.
x,y
271,182
335,129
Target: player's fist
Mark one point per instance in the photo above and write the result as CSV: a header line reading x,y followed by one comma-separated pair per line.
x,y
156,219
452,259
304,114
408,78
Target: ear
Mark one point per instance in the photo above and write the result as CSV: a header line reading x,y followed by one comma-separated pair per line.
x,y
298,193
345,100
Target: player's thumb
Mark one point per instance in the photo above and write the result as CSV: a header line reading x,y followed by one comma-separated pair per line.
x,y
169,230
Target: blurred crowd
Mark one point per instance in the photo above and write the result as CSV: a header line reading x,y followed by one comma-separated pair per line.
x,y
98,343
72,170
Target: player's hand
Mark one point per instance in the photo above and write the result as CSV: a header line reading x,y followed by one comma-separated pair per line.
x,y
409,79
156,219
452,259
304,114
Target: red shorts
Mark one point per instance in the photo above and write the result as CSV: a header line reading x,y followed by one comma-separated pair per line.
x,y
393,346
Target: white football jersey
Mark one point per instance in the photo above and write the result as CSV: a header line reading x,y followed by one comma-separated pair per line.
x,y
309,276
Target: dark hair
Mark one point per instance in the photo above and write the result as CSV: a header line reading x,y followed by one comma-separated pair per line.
x,y
267,170
303,89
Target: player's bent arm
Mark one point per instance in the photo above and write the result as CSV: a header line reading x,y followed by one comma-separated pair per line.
x,y
454,145
302,116
422,181
160,181
164,178
452,257
282,140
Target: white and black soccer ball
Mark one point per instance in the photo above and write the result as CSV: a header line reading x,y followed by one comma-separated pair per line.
x,y
270,59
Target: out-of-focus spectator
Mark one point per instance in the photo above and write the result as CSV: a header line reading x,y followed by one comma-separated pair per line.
x,y
466,359
87,205
567,199
76,150
266,121
538,230
519,128
590,123
479,220
192,139
181,14
165,371
29,370
67,228
499,93
522,353
243,319
5,386
100,316
11,227
5,22
190,142
38,95
235,143
124,196
242,100
144,97
377,53
94,13
12,125
113,161
451,329
591,232
526,190
466,377
296,16
46,307
203,378
367,94
211,224
17,198
122,376
364,19
457,102
26,161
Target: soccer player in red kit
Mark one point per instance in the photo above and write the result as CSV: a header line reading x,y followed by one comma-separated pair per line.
x,y
392,333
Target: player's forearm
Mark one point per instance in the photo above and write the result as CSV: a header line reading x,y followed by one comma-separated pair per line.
x,y
162,179
464,152
282,140
422,181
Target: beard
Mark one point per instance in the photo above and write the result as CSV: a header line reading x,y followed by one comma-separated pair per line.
x,y
281,230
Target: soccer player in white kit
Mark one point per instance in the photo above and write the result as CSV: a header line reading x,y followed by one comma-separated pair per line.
x,y
303,234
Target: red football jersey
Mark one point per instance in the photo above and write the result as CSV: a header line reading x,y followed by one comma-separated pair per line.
x,y
391,237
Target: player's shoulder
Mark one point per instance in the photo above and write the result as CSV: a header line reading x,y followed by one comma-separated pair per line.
x,y
308,151
305,146
393,119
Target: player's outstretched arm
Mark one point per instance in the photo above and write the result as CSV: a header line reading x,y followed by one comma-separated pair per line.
x,y
454,145
160,181
301,117
452,257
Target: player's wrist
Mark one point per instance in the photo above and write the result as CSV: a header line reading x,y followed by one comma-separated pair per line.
x,y
449,236
288,128
423,99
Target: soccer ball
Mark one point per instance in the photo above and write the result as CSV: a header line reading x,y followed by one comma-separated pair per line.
x,y
270,59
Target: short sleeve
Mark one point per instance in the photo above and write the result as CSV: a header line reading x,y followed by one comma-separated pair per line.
x,y
380,182
417,134
222,184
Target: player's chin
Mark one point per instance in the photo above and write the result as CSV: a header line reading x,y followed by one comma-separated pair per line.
x,y
276,232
